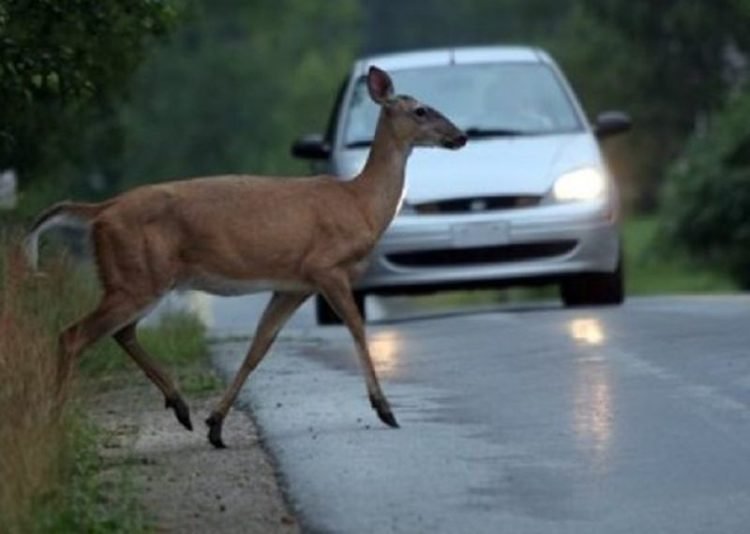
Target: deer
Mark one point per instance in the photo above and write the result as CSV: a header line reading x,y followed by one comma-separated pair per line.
x,y
237,234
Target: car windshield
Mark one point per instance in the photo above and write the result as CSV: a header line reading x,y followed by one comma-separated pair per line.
x,y
485,100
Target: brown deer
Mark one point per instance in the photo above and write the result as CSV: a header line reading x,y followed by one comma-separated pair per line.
x,y
230,235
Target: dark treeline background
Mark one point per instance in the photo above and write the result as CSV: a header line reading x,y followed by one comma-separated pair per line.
x,y
101,95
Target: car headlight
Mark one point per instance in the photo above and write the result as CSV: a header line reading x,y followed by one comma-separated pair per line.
x,y
587,183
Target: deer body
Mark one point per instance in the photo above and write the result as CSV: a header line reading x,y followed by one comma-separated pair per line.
x,y
214,233
236,234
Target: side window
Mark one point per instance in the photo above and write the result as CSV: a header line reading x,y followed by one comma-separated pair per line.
x,y
333,118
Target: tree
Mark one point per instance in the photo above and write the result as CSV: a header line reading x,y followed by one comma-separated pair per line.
x,y
669,63
234,85
392,26
707,194
61,59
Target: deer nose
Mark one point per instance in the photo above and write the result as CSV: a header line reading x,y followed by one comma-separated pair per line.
x,y
455,142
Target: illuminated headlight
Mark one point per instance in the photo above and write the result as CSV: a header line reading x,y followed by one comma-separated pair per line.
x,y
587,183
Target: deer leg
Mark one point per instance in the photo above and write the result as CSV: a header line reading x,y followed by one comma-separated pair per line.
x,y
113,311
337,291
128,340
277,312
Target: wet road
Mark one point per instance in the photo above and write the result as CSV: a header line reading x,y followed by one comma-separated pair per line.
x,y
541,420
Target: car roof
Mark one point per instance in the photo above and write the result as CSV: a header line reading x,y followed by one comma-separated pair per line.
x,y
453,56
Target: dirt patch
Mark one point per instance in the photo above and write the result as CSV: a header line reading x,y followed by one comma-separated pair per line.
x,y
187,485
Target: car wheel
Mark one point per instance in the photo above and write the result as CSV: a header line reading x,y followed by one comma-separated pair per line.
x,y
594,289
326,316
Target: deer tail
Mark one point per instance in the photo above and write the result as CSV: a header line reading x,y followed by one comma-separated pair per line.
x,y
66,214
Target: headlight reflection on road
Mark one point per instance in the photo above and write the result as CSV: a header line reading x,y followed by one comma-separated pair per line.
x,y
593,416
385,348
587,331
594,410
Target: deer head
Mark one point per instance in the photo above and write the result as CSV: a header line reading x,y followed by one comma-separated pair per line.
x,y
412,122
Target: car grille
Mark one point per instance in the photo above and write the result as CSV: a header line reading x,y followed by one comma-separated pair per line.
x,y
482,255
477,204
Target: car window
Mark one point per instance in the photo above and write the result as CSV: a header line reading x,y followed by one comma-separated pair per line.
x,y
524,98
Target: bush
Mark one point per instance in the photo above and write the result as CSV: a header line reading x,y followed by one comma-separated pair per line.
x,y
706,199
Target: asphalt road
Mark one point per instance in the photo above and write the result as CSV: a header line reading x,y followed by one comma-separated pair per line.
x,y
632,419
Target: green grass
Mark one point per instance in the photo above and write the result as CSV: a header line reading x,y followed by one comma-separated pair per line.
x,y
653,269
84,500
177,341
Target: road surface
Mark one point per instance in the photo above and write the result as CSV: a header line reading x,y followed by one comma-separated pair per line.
x,y
527,420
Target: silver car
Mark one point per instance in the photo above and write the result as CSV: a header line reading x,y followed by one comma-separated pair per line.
x,y
528,201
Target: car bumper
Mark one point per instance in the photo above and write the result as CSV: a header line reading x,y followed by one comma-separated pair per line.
x,y
492,249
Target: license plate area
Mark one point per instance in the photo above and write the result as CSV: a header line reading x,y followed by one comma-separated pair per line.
x,y
481,234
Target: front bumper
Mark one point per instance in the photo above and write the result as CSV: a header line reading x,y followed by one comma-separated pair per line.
x,y
492,249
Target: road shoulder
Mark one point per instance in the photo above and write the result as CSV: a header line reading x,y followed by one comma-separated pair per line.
x,y
186,485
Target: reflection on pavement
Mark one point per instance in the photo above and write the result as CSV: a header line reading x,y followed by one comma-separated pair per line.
x,y
385,347
593,396
587,331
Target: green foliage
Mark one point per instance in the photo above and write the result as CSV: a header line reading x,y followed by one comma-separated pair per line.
x,y
235,85
87,501
394,26
707,194
667,63
62,62
652,269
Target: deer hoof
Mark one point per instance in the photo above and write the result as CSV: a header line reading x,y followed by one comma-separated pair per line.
x,y
181,410
214,422
387,418
384,411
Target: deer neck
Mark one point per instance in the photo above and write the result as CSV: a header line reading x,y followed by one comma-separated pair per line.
x,y
380,185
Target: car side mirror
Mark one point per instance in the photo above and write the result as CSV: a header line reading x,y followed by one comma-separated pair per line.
x,y
610,123
311,146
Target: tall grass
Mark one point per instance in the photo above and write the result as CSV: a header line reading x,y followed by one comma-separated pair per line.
x,y
48,457
33,417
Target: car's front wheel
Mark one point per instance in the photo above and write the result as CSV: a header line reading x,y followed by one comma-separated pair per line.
x,y
326,316
594,289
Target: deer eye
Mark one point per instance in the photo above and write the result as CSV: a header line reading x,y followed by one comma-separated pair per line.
x,y
420,112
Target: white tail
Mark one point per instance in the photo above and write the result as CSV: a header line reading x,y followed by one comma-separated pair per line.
x,y
231,234
63,214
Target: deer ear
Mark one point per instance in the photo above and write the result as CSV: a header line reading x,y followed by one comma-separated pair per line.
x,y
379,84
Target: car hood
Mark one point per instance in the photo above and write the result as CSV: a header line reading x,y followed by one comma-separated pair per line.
x,y
487,167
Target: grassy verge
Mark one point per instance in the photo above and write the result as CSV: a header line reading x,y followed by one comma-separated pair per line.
x,y
49,465
177,340
651,269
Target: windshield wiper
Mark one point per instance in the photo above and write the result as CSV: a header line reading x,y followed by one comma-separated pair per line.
x,y
361,143
480,133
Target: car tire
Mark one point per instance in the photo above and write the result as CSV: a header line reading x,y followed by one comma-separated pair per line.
x,y
326,316
594,289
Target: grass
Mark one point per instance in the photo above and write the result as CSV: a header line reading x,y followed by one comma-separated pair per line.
x,y
652,269
178,341
49,465
84,501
